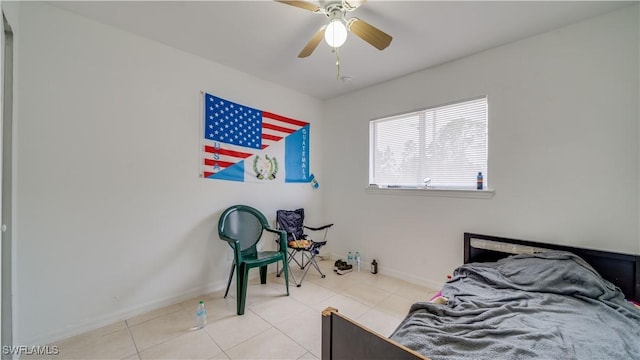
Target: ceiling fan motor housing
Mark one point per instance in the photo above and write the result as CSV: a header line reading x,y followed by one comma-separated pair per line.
x,y
335,31
334,10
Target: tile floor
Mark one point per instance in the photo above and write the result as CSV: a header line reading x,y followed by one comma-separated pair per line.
x,y
274,326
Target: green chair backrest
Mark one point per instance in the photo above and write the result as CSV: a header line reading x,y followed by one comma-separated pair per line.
x,y
244,224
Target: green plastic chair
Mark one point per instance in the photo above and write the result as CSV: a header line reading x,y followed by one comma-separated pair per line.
x,y
241,226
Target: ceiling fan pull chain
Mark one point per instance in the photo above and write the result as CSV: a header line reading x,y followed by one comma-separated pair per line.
x,y
337,63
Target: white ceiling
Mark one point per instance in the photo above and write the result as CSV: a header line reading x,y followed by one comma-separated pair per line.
x,y
263,38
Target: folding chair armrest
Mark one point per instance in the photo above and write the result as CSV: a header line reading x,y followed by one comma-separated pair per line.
x,y
318,228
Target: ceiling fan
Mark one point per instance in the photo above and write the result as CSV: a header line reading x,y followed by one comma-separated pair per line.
x,y
335,32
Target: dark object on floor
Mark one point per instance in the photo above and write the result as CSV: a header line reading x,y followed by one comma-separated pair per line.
x,y
341,267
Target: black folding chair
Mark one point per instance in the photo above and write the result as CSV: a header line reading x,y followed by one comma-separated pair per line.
x,y
292,222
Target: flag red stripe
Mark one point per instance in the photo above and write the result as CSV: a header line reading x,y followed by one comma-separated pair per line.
x,y
207,174
213,150
284,119
271,137
222,164
277,128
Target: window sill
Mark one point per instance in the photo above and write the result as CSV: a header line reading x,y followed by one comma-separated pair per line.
x,y
453,193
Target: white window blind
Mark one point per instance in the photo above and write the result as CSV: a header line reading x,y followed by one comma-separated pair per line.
x,y
447,144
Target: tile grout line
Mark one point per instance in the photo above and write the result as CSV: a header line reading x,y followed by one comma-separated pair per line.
x,y
274,326
389,292
133,339
161,342
215,342
259,333
292,339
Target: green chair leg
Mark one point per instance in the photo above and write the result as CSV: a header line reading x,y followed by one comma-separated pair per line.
x,y
242,289
286,276
263,274
233,268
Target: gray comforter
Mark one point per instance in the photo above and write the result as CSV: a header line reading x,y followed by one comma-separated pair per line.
x,y
550,305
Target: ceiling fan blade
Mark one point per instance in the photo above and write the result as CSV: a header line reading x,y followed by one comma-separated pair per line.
x,y
351,5
302,4
313,43
369,33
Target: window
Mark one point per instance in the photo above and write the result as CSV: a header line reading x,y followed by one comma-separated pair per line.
x,y
443,147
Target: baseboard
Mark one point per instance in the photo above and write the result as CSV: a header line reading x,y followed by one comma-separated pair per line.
x,y
124,314
430,283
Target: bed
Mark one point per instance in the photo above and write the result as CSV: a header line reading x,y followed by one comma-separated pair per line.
x,y
512,299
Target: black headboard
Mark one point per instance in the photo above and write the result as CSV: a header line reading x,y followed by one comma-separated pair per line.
x,y
623,270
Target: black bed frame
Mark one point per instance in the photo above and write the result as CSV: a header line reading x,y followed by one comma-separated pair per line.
x,y
343,338
622,270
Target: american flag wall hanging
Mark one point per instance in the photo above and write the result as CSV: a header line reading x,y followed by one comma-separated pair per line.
x,y
249,145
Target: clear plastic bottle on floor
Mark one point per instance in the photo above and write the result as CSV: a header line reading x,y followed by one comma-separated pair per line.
x,y
350,258
357,261
200,317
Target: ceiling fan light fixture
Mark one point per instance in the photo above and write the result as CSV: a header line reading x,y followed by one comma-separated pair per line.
x,y
336,33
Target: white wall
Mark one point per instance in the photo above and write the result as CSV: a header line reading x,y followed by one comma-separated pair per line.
x,y
112,217
563,151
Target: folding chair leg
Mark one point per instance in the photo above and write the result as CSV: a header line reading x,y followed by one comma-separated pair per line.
x,y
288,265
292,256
310,261
315,264
233,266
293,275
303,265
